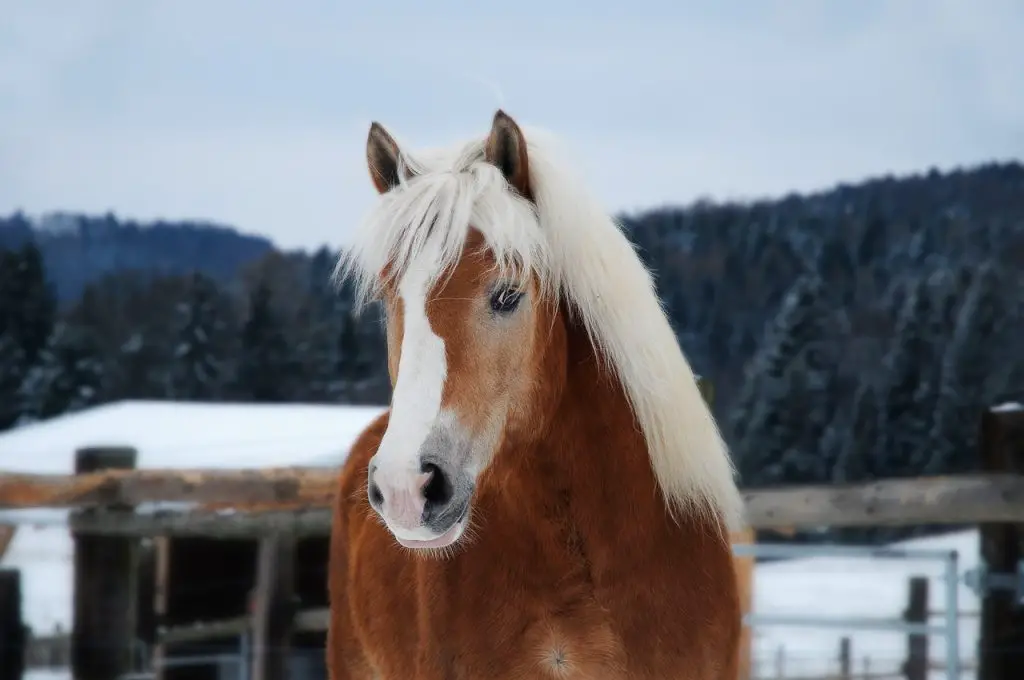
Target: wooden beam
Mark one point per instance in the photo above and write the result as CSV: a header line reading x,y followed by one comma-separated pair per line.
x,y
135,487
105,577
273,615
1001,626
162,550
966,499
308,620
204,523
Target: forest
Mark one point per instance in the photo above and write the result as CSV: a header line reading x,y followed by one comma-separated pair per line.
x,y
850,334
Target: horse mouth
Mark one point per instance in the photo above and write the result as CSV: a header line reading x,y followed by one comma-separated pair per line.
x,y
449,537
443,541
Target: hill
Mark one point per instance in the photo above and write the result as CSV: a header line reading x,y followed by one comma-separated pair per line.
x,y
79,249
850,333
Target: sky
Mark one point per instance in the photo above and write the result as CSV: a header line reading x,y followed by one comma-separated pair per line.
x,y
254,113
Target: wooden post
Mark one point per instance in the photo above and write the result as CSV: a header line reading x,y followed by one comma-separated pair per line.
x,y
162,555
12,629
916,665
273,608
1001,629
103,632
845,667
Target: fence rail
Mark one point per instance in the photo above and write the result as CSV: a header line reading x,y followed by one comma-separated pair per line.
x,y
251,503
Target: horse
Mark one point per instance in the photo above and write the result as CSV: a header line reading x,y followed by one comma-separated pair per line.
x,y
547,494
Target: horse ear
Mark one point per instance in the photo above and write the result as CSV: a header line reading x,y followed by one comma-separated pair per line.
x,y
506,149
382,158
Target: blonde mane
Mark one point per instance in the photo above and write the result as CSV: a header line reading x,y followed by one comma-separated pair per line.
x,y
576,250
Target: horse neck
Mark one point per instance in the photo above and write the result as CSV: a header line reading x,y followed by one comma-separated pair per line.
x,y
590,461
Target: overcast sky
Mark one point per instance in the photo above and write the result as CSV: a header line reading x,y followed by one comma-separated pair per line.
x,y
254,112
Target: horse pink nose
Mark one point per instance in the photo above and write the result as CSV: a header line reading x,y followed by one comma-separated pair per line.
x,y
407,500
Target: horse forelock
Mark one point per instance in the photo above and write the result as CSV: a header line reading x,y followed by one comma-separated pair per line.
x,y
571,247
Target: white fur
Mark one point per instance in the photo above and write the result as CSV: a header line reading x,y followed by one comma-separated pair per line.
x,y
578,251
415,407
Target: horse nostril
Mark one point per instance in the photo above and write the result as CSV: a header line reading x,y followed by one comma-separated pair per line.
x,y
439,490
373,491
376,497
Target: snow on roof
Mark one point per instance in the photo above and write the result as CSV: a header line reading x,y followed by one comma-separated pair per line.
x,y
172,435
1007,407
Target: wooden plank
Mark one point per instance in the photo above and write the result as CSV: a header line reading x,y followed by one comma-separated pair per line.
x,y
162,548
308,620
300,523
967,499
104,601
134,487
272,609
1001,626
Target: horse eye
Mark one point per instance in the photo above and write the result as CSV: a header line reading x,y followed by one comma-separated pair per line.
x,y
505,300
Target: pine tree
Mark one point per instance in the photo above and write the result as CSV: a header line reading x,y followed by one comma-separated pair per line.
x,y
791,327
966,387
12,372
267,367
198,371
908,393
34,303
857,460
68,376
791,410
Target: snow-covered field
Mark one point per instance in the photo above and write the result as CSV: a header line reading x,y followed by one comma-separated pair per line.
x,y
186,435
834,587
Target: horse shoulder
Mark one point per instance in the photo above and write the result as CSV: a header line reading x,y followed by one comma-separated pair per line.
x,y
345,660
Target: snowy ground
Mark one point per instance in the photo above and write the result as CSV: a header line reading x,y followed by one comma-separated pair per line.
x,y
854,587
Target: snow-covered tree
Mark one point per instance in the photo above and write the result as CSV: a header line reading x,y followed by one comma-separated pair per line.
x,y
199,361
68,376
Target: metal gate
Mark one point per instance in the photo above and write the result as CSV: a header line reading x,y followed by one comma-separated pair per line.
x,y
951,576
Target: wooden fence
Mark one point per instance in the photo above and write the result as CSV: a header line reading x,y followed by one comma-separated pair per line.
x,y
278,506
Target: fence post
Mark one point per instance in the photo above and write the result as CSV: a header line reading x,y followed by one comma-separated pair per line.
x,y
104,601
845,667
273,608
916,665
12,629
1001,628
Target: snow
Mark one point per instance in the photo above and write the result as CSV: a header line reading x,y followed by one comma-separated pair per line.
x,y
838,587
172,435
1008,407
47,674
189,435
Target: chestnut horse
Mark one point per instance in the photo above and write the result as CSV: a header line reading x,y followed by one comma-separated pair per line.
x,y
548,495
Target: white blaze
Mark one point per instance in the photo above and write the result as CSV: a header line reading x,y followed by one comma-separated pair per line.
x,y
415,407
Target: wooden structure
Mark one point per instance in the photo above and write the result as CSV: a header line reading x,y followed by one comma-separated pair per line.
x,y
248,562
1001,644
12,632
